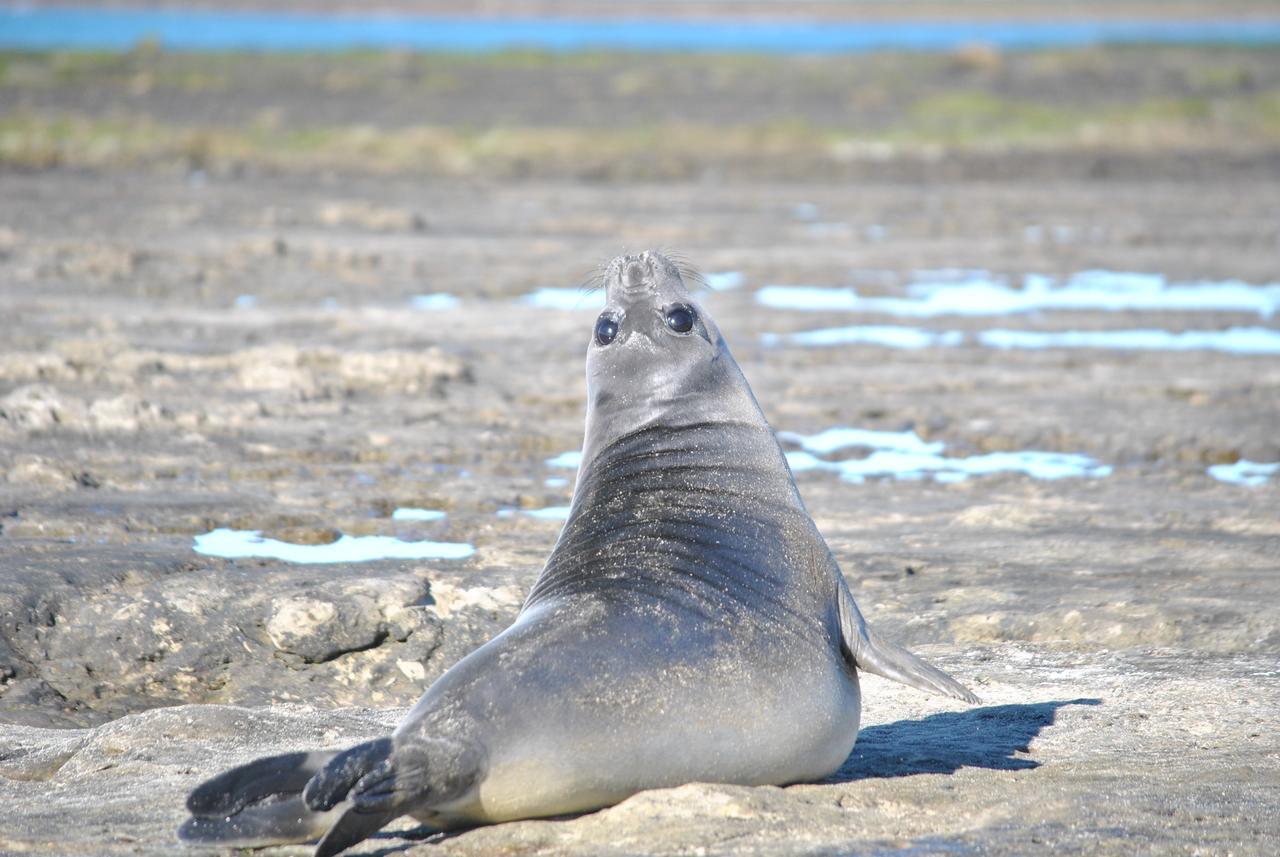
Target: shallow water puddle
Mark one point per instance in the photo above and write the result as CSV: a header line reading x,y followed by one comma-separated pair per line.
x,y
904,455
548,513
723,281
899,455
435,301
1245,472
408,513
571,459
1235,340
238,544
975,293
804,211
888,335
834,439
565,299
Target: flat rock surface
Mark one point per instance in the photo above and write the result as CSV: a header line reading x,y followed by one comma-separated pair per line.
x,y
1066,754
183,352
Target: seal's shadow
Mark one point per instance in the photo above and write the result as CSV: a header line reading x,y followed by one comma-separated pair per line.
x,y
990,737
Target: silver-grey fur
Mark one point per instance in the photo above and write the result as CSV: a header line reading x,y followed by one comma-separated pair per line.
x,y
690,624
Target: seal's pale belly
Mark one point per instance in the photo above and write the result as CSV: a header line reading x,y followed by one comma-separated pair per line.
x,y
543,781
568,742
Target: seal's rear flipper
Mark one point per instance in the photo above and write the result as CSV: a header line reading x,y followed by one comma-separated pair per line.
x,y
230,792
262,803
868,651
275,822
257,804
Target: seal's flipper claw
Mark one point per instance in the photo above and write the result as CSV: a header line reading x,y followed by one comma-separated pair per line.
x,y
354,826
377,790
230,792
870,652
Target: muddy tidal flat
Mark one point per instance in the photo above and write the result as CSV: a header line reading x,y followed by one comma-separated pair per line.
x,y
255,308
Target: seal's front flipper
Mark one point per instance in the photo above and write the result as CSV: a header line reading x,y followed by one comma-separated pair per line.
x,y
373,783
360,783
331,784
354,826
868,651
418,772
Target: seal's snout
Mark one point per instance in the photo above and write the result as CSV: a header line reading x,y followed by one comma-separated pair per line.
x,y
636,274
641,276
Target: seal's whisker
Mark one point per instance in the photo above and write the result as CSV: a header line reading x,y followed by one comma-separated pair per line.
x,y
674,257
599,277
595,280
688,272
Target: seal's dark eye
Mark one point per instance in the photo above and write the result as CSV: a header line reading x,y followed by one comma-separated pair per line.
x,y
606,329
680,319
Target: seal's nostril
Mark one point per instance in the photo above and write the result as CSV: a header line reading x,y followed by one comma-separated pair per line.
x,y
635,273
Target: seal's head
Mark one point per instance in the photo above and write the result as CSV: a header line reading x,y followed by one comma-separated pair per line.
x,y
655,357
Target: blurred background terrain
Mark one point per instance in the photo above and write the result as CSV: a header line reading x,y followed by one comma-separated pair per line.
x,y
302,291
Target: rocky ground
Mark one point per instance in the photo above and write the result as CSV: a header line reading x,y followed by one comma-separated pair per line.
x,y
190,346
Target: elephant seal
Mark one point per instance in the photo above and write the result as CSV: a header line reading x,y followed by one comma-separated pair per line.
x,y
690,624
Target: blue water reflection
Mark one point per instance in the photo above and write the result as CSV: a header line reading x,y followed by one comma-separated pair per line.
x,y
209,30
